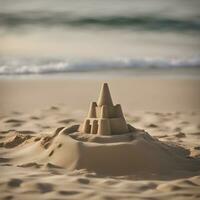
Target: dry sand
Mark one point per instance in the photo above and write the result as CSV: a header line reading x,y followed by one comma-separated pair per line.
x,y
37,156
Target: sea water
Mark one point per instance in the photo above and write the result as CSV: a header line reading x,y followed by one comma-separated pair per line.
x,y
58,37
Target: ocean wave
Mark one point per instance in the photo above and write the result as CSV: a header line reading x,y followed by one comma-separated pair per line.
x,y
52,66
146,22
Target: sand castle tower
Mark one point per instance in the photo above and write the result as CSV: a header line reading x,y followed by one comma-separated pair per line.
x,y
104,118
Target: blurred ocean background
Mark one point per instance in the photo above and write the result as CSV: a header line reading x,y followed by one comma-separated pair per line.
x,y
53,37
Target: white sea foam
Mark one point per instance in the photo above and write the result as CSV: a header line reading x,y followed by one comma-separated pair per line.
x,y
10,66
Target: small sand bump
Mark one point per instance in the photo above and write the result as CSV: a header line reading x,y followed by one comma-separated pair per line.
x,y
8,131
110,182
32,164
136,119
34,117
167,187
152,126
107,197
9,197
188,195
45,126
162,136
149,186
83,181
70,129
4,160
15,125
49,165
58,130
188,182
15,182
54,108
195,133
6,164
44,187
14,121
46,141
1,144
185,122
67,121
177,129
131,137
16,140
27,132
180,135
37,139
66,192
16,112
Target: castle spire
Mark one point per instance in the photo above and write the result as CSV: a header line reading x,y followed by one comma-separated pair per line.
x,y
105,97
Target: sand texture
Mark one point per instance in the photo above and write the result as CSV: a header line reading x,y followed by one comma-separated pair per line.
x,y
43,155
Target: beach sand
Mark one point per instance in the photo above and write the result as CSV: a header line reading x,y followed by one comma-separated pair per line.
x,y
33,150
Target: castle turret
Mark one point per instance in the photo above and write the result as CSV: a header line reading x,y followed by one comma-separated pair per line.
x,y
104,118
92,110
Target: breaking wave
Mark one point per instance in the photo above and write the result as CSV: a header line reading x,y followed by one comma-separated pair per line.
x,y
12,66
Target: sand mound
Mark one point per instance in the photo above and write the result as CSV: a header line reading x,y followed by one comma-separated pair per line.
x,y
135,153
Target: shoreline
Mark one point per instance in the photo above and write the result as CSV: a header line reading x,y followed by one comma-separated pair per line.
x,y
136,73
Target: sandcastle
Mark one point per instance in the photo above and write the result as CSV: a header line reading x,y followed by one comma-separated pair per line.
x,y
104,118
104,144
